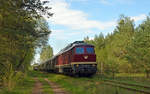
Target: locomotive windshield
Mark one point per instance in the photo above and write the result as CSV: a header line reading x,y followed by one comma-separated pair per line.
x,y
79,50
90,50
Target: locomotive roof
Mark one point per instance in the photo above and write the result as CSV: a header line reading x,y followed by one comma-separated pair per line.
x,y
70,46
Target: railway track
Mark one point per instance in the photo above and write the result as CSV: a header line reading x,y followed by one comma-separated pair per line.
x,y
133,87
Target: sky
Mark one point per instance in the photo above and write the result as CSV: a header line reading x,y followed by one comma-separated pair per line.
x,y
73,20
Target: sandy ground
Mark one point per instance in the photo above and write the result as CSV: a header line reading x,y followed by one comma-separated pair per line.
x,y
56,88
37,87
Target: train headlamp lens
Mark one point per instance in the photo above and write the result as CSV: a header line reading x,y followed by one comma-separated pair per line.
x,y
77,65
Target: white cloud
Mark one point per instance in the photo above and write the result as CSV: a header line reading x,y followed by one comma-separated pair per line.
x,y
62,34
58,34
91,38
139,17
75,19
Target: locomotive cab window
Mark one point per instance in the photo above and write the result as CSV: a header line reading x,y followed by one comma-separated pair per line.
x,y
79,50
90,50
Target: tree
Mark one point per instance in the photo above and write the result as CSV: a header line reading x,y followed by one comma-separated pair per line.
x,y
111,49
46,53
139,48
22,30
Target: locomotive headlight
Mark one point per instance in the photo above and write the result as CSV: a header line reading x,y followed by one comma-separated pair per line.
x,y
77,65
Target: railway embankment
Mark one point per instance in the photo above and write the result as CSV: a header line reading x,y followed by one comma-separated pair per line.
x,y
128,86
96,85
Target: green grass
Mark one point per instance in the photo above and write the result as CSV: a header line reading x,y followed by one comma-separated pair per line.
x,y
27,84
25,87
83,85
134,78
95,84
87,85
130,75
134,82
46,89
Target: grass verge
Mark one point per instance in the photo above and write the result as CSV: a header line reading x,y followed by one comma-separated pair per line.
x,y
25,87
87,85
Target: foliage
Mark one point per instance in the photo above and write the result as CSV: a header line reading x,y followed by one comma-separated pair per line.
x,y
139,48
22,30
126,50
46,53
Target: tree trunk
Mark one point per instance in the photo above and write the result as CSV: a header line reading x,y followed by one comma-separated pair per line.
x,y
147,73
113,75
21,62
101,68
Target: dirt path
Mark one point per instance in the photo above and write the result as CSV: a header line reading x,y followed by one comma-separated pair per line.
x,y
56,88
37,87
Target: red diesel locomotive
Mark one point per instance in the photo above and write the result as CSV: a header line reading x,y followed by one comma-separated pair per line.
x,y
78,58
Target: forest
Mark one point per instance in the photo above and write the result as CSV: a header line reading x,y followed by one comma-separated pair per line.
x,y
125,50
